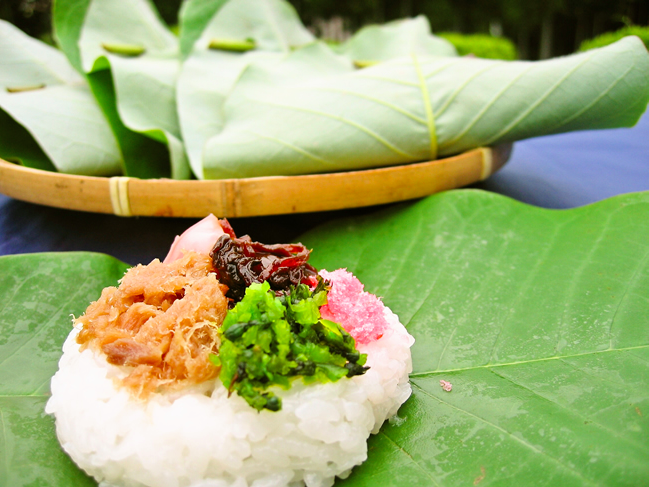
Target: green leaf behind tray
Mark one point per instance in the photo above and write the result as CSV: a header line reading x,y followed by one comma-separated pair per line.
x,y
38,295
208,75
193,17
17,145
399,38
130,40
539,320
48,117
416,108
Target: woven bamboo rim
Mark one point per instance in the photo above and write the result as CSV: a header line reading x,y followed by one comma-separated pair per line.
x,y
276,195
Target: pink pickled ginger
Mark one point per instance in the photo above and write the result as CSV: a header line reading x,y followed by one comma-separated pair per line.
x,y
200,237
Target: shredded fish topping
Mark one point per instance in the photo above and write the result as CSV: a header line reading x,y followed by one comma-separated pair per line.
x,y
161,322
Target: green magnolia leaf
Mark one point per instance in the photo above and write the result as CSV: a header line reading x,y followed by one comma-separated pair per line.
x,y
400,38
48,116
208,75
67,19
205,80
38,295
538,320
193,17
414,109
537,317
143,156
109,37
237,96
17,145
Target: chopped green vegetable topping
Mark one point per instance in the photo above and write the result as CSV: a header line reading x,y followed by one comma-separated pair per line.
x,y
268,340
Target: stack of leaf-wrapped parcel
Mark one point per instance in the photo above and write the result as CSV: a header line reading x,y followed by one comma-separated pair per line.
x,y
246,90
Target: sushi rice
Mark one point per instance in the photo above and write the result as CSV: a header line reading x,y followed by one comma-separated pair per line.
x,y
200,437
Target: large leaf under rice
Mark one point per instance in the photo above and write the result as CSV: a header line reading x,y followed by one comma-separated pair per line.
x,y
537,317
38,295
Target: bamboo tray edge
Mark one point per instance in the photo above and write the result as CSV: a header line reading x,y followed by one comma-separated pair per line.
x,y
251,196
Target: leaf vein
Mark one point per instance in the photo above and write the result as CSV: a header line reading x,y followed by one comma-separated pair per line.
x,y
459,89
376,100
442,68
572,412
487,106
293,147
524,287
36,391
274,25
441,355
5,441
524,362
576,277
541,99
642,359
389,80
428,109
440,271
405,256
483,283
628,286
511,435
450,257
591,104
44,326
7,302
405,452
346,121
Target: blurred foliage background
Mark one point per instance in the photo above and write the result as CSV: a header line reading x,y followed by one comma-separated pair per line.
x,y
536,29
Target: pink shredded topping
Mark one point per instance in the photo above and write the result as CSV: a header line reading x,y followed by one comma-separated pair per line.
x,y
446,385
359,312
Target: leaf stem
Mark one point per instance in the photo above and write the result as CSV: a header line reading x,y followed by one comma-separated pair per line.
x,y
235,45
127,50
364,63
20,89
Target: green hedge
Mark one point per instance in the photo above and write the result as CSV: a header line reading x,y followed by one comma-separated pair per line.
x,y
611,37
482,45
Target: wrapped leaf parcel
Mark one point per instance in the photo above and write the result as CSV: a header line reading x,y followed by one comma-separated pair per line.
x,y
415,108
48,116
246,90
132,61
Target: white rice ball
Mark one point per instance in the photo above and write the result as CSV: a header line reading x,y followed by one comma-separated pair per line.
x,y
202,438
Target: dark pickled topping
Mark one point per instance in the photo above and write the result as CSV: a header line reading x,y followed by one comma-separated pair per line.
x,y
240,262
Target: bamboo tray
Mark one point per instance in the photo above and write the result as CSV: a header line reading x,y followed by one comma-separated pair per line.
x,y
276,195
